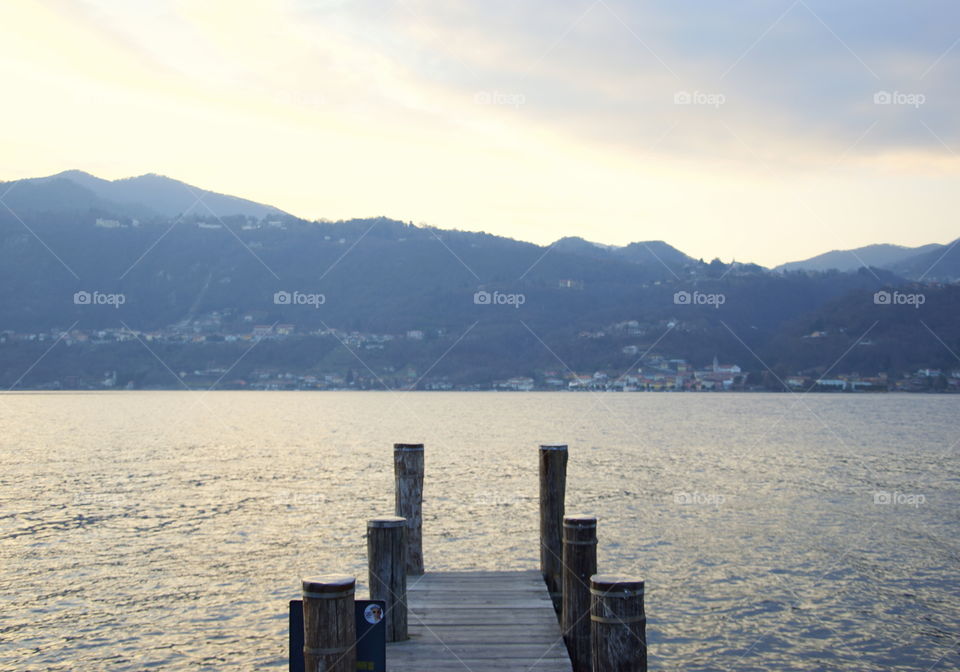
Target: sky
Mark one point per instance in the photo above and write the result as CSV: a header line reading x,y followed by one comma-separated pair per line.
x,y
763,131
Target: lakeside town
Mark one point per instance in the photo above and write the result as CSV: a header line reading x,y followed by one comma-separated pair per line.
x,y
648,372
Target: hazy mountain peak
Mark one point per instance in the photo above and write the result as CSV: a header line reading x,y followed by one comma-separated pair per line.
x,y
154,194
75,174
652,253
882,255
577,241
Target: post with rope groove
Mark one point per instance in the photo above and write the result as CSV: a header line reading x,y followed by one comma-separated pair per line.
x,y
387,566
618,624
553,486
329,624
408,469
579,564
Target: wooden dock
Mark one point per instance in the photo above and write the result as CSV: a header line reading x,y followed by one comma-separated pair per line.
x,y
480,622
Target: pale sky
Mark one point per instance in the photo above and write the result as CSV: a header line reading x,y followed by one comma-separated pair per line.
x,y
534,119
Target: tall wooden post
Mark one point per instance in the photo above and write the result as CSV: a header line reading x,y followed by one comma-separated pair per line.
x,y
329,624
579,564
387,565
618,624
408,472
553,486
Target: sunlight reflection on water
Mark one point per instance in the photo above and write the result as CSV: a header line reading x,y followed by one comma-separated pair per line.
x,y
168,529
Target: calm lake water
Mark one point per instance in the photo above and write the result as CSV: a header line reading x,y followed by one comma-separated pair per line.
x,y
168,530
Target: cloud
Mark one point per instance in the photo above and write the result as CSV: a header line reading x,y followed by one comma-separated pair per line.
x,y
798,78
689,121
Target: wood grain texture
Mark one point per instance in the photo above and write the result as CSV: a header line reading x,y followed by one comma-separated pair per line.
x,y
579,564
387,571
618,626
408,466
480,622
329,624
553,487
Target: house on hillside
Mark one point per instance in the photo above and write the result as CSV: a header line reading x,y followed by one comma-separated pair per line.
x,y
517,384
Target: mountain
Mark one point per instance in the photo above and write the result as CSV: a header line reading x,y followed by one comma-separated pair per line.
x,y
942,262
877,256
868,336
146,195
577,245
58,195
654,252
646,253
387,300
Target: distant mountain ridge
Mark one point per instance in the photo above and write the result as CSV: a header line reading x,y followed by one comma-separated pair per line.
x,y
654,252
942,262
411,298
878,256
151,195
144,195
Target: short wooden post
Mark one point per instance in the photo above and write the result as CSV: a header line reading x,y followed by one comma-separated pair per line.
x,y
408,472
329,624
553,486
387,564
579,564
618,624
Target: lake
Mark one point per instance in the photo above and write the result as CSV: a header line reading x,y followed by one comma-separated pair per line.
x,y
168,530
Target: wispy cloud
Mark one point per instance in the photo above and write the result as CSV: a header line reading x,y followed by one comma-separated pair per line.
x,y
520,118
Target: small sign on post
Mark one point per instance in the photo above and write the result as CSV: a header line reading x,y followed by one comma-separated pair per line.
x,y
371,635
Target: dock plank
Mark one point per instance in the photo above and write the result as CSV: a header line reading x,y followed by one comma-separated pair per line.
x,y
480,622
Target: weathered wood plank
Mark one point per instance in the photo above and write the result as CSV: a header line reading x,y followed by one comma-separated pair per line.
x,y
487,620
553,488
579,564
618,623
408,476
473,665
480,621
387,571
329,630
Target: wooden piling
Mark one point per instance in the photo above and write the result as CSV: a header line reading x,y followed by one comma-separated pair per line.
x,y
408,466
387,565
553,485
618,624
579,564
329,625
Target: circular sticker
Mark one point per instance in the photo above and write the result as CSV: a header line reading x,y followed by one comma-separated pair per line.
x,y
373,613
